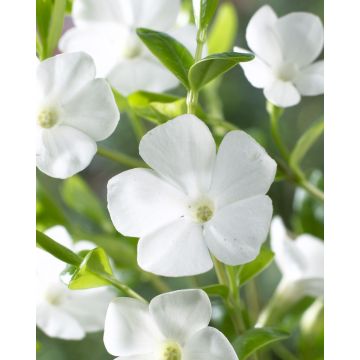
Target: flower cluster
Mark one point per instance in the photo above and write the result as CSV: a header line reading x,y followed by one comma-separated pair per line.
x,y
198,202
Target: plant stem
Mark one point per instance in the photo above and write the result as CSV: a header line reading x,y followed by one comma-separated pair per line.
x,y
310,188
157,282
136,123
120,158
192,96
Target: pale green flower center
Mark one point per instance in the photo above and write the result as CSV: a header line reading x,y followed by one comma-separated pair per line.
x,y
171,351
47,118
54,294
202,210
287,72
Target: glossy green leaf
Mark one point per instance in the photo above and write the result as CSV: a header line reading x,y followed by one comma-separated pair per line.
x,y
79,197
55,26
86,276
306,141
217,290
254,268
59,251
255,339
144,98
173,55
204,11
212,66
223,32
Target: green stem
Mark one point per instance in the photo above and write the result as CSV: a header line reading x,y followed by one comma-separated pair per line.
x,y
157,282
192,96
120,158
310,188
136,123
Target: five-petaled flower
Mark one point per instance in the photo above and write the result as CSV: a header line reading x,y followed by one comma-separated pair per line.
x,y
106,30
285,50
194,200
301,262
60,312
75,110
174,326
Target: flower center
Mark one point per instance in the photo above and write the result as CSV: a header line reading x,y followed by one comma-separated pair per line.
x,y
54,294
47,118
202,210
287,72
171,351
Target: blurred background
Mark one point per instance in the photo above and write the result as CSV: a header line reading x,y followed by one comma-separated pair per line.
x,y
76,203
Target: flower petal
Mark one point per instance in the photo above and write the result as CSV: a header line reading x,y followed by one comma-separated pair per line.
x,y
55,322
209,344
282,93
180,314
92,110
60,235
261,36
104,42
243,169
139,202
183,152
64,151
62,76
310,80
235,234
186,35
177,249
141,73
301,37
129,328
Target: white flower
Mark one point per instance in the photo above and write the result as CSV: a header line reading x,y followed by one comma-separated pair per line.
x,y
60,312
301,262
106,30
173,327
75,110
194,200
285,50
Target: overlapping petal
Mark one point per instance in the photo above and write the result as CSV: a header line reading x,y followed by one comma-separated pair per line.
x,y
129,329
243,169
183,152
282,93
176,249
235,233
63,151
180,314
209,344
140,202
310,80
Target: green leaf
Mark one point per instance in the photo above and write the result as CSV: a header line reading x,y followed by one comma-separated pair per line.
x,y
204,10
173,55
86,276
306,141
217,290
223,32
55,26
255,339
254,268
78,196
43,15
60,252
212,66
144,98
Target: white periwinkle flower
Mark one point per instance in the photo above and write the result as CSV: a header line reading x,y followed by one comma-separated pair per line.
x,y
301,262
194,200
106,30
75,110
174,326
60,312
285,50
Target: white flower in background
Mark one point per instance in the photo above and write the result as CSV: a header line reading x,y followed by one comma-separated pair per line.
x,y
106,30
194,200
285,50
75,110
173,327
60,312
301,262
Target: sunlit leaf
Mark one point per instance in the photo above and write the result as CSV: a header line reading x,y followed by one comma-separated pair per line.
x,y
217,290
255,339
55,26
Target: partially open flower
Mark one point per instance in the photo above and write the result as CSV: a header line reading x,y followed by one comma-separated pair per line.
x,y
285,50
106,30
194,200
173,327
60,312
75,110
301,262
